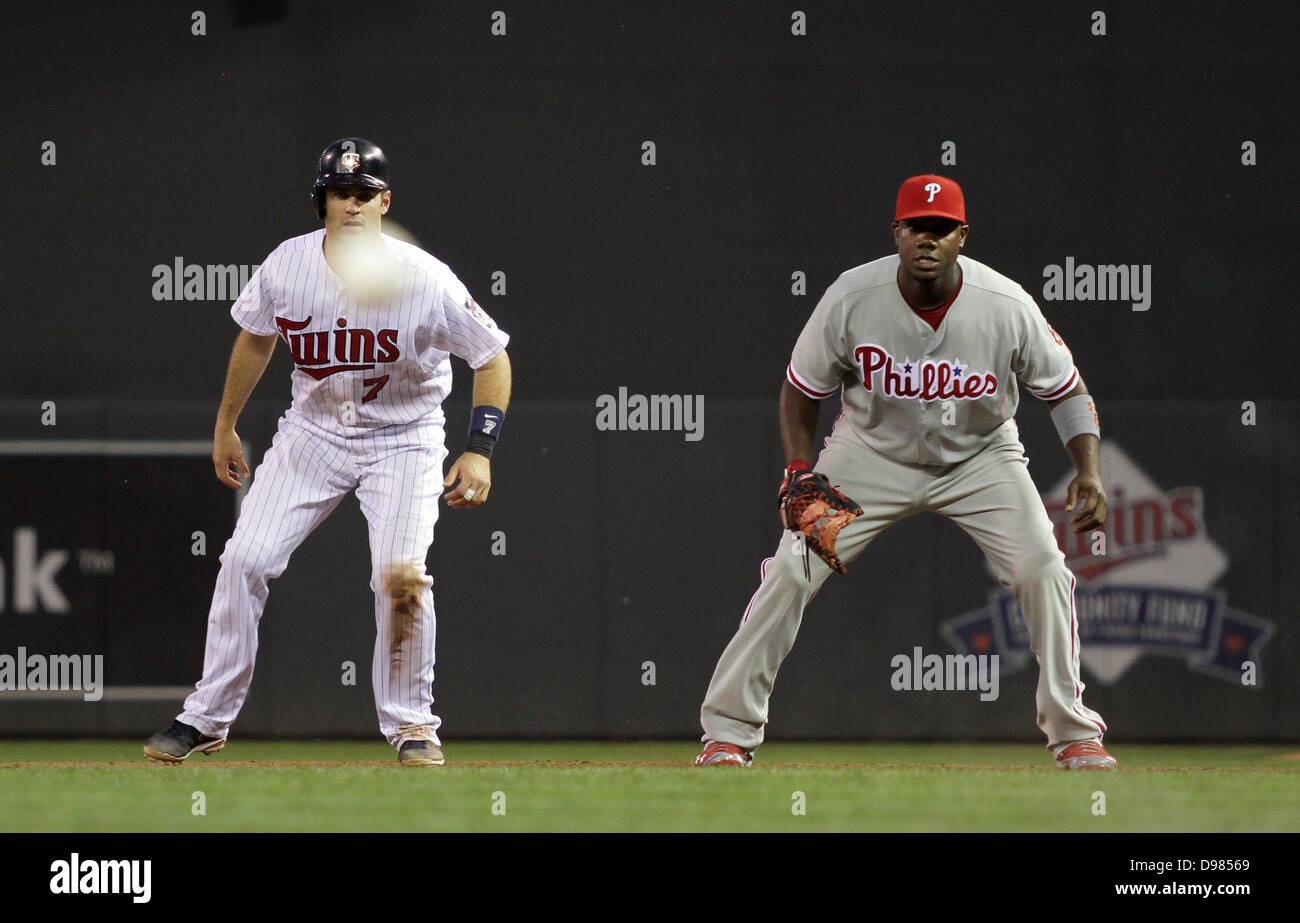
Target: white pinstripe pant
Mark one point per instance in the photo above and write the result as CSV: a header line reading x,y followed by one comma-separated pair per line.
x,y
397,474
993,499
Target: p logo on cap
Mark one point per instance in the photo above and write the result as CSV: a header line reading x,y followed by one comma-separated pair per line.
x,y
930,196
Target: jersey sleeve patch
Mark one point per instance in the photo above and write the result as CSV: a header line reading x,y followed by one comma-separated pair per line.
x,y
479,315
1043,362
462,328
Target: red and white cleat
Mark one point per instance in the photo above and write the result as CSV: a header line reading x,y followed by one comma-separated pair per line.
x,y
716,753
1085,754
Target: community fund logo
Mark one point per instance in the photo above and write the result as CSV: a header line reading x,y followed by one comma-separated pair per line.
x,y
1152,592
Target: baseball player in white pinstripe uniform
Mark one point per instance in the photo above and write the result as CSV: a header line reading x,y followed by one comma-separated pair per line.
x,y
371,323
926,348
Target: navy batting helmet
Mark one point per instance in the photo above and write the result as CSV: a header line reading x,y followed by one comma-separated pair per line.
x,y
349,162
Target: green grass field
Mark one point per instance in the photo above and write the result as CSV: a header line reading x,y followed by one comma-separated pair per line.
x,y
340,786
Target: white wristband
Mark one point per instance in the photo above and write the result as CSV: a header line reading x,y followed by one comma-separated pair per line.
x,y
1074,416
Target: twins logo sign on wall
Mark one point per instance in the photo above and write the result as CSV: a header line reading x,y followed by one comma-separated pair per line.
x,y
1151,592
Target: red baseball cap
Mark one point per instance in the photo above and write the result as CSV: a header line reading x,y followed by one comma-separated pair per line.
x,y
929,195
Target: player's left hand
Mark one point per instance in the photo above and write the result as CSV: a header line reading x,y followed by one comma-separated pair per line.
x,y
1087,493
468,481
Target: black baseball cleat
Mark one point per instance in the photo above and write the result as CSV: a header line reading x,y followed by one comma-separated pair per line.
x,y
178,742
420,753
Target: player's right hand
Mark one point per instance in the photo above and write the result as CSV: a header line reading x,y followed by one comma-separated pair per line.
x,y
228,458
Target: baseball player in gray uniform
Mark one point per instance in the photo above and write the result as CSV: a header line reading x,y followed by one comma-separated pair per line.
x,y
371,323
928,349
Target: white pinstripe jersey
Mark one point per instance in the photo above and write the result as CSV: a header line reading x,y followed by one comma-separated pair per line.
x,y
899,377
376,361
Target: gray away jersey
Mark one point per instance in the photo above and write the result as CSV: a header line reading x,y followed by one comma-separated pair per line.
x,y
899,378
